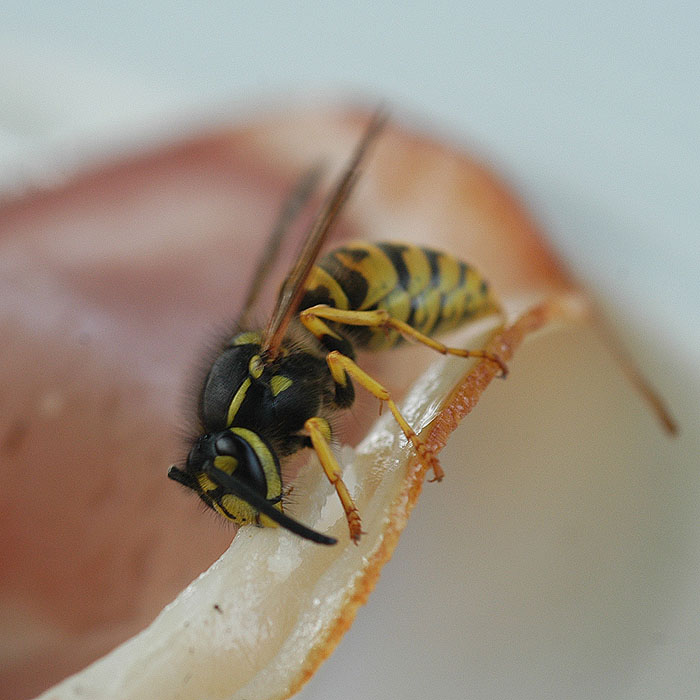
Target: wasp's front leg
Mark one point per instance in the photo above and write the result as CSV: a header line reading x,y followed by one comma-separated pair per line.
x,y
320,434
343,367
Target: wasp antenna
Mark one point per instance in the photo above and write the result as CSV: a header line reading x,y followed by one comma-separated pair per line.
x,y
243,491
182,477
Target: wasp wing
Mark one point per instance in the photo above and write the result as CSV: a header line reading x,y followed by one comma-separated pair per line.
x,y
297,199
292,289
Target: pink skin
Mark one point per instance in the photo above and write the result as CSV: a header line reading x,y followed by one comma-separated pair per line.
x,y
111,285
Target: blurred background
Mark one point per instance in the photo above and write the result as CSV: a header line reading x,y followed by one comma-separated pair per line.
x,y
592,114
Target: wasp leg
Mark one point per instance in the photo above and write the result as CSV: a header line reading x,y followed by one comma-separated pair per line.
x,y
320,434
342,366
380,318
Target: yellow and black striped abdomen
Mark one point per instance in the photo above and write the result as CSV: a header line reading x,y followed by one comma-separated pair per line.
x,y
430,291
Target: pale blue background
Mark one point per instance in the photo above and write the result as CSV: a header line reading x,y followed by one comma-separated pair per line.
x,y
593,113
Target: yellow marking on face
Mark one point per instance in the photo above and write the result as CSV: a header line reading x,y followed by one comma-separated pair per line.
x,y
205,483
240,511
226,463
246,338
279,383
237,401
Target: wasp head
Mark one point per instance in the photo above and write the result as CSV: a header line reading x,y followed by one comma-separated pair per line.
x,y
236,473
224,466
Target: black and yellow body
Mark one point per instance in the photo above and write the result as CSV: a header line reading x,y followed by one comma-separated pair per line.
x,y
429,291
272,393
255,411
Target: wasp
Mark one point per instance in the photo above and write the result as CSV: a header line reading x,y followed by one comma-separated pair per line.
x,y
270,393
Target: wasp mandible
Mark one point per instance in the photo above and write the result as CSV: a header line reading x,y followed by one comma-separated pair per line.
x,y
271,393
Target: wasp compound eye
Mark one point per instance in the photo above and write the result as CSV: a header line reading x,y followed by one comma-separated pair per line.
x,y
248,468
226,445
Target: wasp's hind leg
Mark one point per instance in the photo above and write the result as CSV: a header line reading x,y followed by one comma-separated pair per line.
x,y
320,435
313,318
